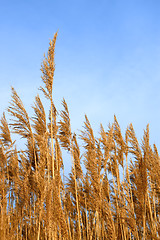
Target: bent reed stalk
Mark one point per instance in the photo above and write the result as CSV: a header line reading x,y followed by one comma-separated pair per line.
x,y
94,202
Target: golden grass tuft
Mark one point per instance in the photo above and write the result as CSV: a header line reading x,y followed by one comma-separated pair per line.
x,y
112,191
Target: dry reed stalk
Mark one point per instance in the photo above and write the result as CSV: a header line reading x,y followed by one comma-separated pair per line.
x,y
48,68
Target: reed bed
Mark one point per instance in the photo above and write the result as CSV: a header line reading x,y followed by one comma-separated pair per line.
x,y
112,191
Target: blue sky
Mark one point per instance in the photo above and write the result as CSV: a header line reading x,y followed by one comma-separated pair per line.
x,y
107,58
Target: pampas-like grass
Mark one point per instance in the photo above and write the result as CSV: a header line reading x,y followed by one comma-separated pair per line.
x,y
112,191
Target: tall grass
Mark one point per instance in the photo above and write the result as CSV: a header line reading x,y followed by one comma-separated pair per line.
x,y
95,202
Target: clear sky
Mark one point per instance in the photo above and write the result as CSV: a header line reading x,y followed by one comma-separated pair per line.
x,y
107,58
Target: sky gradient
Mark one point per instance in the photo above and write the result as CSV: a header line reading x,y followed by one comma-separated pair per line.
x,y
107,59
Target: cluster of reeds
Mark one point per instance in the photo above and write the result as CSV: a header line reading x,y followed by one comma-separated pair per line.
x,y
115,195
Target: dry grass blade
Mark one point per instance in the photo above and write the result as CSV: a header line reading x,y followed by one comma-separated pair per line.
x,y
65,134
39,119
5,132
21,123
48,68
